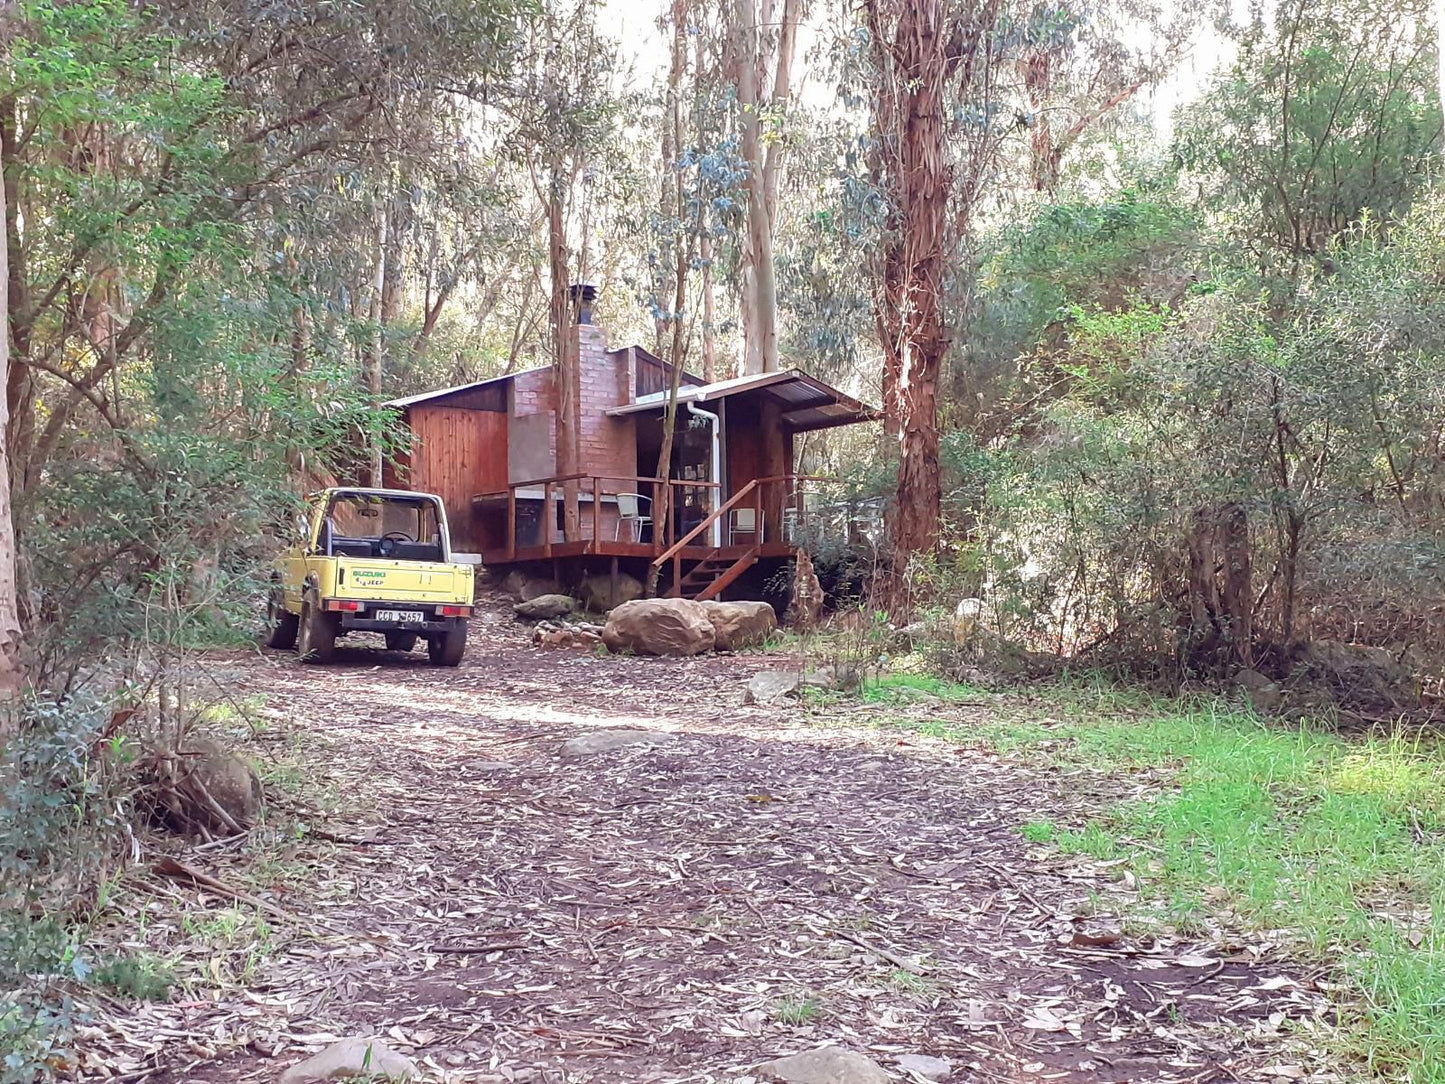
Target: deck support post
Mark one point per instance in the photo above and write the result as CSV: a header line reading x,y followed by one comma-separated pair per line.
x,y
614,577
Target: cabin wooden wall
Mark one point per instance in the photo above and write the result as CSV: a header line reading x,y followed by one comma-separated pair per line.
x,y
457,454
757,447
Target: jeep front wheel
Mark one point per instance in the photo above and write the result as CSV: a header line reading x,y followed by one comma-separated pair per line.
x,y
447,648
317,640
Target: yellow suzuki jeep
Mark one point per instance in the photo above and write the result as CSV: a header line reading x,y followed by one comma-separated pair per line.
x,y
371,560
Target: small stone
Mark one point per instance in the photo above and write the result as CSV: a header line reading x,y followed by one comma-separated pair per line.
x,y
545,607
825,1065
1264,695
352,1058
604,741
966,618
771,686
925,1066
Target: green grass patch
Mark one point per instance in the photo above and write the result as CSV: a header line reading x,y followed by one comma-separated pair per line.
x,y
1340,842
910,688
141,977
797,1011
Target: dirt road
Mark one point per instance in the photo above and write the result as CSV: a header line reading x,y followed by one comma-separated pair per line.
x,y
761,881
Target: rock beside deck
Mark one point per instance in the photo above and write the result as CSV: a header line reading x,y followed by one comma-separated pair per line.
x,y
659,626
680,626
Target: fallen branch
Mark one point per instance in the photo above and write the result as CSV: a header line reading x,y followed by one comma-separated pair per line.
x,y
179,871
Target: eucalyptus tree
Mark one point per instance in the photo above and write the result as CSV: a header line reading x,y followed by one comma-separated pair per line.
x,y
563,115
11,670
1330,119
763,41
186,184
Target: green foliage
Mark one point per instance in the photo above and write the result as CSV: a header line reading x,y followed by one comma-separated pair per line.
x,y
1314,411
56,821
1329,118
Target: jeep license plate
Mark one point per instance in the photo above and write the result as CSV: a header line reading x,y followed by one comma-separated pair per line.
x,y
403,616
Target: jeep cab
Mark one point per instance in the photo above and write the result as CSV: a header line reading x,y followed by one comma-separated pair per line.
x,y
371,560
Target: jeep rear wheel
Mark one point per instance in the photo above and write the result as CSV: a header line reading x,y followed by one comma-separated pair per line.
x,y
447,648
281,624
400,641
317,640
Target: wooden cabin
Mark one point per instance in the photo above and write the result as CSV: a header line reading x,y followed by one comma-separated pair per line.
x,y
489,450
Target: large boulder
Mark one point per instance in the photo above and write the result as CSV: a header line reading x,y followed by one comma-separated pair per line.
x,y
352,1059
524,588
659,626
737,625
597,593
545,607
1358,678
826,1065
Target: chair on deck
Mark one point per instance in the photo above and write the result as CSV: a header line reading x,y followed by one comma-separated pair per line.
x,y
744,521
629,511
799,511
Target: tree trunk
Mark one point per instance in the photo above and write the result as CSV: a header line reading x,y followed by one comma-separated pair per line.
x,y
709,362
12,674
565,372
782,92
760,298
910,120
371,371
19,395
1221,603
1440,46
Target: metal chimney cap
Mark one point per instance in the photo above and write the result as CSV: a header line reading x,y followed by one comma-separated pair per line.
x,y
582,294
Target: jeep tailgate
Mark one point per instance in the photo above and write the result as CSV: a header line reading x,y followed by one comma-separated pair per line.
x,y
403,581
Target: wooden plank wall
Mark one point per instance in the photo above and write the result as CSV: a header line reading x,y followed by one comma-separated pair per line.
x,y
757,447
457,454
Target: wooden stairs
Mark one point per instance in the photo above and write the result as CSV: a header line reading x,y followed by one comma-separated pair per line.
x,y
713,573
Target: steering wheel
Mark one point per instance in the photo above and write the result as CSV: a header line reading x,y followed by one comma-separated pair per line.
x,y
387,545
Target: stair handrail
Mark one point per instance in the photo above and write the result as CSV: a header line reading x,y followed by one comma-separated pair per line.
x,y
708,521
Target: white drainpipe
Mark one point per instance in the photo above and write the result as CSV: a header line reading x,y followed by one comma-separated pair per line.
x,y
692,408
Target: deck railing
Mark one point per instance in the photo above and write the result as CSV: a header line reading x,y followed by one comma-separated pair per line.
x,y
597,490
794,510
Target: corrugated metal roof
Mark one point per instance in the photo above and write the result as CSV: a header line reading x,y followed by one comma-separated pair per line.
x,y
810,403
441,393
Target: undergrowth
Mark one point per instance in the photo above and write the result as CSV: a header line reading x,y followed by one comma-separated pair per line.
x,y
1338,841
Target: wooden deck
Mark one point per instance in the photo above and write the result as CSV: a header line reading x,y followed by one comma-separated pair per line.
x,y
607,547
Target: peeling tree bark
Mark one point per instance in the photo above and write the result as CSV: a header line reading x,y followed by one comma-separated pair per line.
x,y
12,674
911,50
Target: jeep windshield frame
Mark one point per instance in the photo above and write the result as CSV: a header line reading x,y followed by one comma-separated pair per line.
x,y
384,525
